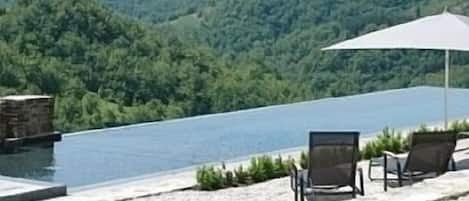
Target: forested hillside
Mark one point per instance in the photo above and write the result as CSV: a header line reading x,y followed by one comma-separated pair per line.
x,y
157,11
6,3
287,35
190,57
107,70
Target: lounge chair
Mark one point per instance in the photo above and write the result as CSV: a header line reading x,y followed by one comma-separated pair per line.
x,y
429,156
333,160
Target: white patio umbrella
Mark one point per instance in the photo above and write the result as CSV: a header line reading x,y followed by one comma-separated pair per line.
x,y
438,32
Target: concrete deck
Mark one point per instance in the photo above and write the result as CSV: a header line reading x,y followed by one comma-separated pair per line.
x,y
12,189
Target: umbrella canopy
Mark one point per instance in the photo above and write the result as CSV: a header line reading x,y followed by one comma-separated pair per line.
x,y
438,32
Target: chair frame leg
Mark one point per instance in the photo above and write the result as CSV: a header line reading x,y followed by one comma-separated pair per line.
x,y
369,170
362,186
302,190
399,174
385,172
296,187
453,164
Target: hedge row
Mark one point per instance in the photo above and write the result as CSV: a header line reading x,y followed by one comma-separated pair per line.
x,y
261,169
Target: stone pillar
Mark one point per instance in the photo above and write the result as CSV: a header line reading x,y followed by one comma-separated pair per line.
x,y
2,123
28,116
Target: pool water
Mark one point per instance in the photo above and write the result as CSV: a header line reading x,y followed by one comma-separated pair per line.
x,y
104,155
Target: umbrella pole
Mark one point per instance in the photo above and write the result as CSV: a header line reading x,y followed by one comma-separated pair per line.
x,y
446,87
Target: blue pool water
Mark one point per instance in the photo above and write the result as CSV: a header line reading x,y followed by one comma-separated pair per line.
x,y
99,156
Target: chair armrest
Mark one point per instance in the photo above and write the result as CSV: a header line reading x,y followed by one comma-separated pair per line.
x,y
391,154
385,170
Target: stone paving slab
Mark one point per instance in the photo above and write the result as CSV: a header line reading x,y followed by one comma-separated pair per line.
x,y
133,189
13,189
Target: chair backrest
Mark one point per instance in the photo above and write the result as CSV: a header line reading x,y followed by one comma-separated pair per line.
x,y
333,158
430,152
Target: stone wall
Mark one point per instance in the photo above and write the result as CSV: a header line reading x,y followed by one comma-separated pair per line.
x,y
26,116
2,123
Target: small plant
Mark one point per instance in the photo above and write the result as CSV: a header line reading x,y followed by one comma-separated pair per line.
x,y
241,176
369,151
261,169
460,126
423,128
268,166
280,167
229,178
209,178
304,160
256,171
388,140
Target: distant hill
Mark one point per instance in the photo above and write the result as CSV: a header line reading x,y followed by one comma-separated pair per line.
x,y
107,70
176,58
287,35
6,3
157,11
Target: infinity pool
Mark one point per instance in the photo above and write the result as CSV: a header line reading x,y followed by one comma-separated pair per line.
x,y
99,156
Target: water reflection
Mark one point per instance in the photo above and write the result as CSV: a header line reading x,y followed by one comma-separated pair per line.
x,y
31,162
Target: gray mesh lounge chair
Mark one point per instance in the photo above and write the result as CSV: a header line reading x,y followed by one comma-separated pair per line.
x,y
429,156
333,160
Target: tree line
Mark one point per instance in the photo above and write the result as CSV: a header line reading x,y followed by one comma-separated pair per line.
x,y
287,35
106,69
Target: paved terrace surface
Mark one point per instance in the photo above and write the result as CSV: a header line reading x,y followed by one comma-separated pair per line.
x,y
452,185
26,190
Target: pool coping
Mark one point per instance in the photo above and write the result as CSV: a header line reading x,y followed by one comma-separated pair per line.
x,y
39,190
170,121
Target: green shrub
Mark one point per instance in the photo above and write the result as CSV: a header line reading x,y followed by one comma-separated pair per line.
x,y
369,151
256,171
267,164
241,176
388,140
423,128
304,160
460,126
264,168
209,178
280,167
229,179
